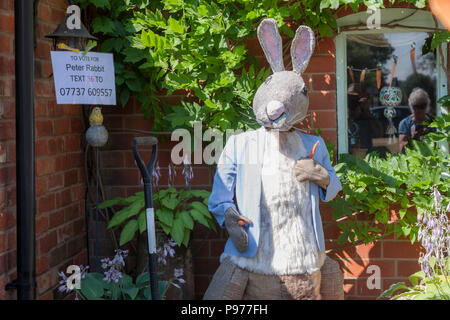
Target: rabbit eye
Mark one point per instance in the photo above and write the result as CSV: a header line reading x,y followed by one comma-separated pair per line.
x,y
268,80
305,90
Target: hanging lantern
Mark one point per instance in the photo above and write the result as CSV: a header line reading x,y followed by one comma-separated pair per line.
x,y
391,96
76,38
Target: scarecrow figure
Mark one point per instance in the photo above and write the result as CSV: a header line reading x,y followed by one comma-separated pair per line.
x,y
276,245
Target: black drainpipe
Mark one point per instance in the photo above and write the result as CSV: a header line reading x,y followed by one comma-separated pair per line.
x,y
26,206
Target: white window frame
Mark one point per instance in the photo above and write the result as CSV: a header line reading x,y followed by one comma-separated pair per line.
x,y
417,19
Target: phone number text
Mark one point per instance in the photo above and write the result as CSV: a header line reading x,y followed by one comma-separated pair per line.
x,y
95,92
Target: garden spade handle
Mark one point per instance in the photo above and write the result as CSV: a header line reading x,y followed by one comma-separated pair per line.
x,y
147,173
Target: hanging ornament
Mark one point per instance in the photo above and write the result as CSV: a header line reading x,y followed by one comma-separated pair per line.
x,y
391,96
96,135
390,113
412,55
378,79
350,71
361,80
353,88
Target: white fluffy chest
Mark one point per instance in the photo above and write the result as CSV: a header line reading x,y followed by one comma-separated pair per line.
x,y
287,243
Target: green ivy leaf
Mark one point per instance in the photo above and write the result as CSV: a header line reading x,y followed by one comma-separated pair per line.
x,y
402,213
110,203
134,84
175,25
131,292
111,44
413,236
126,281
198,216
200,193
343,237
170,203
103,24
133,55
142,222
128,232
417,277
91,287
393,288
406,230
143,280
165,216
202,10
124,96
187,236
324,4
187,219
325,30
165,227
287,31
200,207
125,213
382,216
101,4
177,231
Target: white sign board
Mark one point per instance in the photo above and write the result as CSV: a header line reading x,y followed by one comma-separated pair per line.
x,y
85,79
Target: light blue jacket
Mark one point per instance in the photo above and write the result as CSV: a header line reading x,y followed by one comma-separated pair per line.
x,y
239,174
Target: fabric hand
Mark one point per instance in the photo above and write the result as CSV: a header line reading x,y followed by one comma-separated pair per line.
x,y
234,223
307,169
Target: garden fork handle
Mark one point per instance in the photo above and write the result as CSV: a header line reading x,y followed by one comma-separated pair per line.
x,y
147,173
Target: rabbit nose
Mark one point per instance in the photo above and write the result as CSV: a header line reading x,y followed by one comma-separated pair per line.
x,y
275,109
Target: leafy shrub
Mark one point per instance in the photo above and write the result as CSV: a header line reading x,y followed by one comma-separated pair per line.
x,y
175,210
432,282
371,186
113,283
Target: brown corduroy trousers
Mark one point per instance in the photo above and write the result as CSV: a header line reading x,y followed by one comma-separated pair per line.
x,y
233,283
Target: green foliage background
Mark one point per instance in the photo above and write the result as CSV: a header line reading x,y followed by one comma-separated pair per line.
x,y
197,47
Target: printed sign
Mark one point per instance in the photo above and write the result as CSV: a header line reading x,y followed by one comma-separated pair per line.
x,y
87,79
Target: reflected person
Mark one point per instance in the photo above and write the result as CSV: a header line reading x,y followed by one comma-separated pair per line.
x,y
413,125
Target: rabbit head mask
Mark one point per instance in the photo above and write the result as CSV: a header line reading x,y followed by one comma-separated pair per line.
x,y
282,100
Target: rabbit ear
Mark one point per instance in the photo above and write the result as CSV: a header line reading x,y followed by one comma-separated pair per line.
x,y
302,48
270,41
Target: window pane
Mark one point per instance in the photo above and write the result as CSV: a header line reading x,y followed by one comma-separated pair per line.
x,y
378,100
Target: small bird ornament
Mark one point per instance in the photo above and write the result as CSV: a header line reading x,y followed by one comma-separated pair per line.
x,y
96,117
96,135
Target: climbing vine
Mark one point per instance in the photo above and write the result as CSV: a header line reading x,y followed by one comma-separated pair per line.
x,y
199,49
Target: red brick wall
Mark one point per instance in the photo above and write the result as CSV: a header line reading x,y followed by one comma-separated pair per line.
x,y
59,172
60,239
